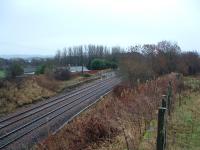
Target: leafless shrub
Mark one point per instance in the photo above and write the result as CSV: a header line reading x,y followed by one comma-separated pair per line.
x,y
128,109
135,68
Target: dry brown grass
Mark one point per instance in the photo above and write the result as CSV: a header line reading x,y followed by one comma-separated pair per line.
x,y
15,94
117,122
48,83
19,92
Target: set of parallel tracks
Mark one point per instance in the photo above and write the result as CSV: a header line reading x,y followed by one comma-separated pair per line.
x,y
22,123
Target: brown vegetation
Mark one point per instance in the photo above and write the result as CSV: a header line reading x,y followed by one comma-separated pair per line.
x,y
116,122
21,91
16,93
146,62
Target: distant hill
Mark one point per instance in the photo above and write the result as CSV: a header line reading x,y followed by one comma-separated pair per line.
x,y
25,56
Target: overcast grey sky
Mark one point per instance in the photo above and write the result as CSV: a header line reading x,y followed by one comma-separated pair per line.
x,y
43,26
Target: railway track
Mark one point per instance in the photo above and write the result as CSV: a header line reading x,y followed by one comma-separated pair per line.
x,y
2,120
18,125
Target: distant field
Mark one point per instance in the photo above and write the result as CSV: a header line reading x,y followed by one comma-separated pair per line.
x,y
2,74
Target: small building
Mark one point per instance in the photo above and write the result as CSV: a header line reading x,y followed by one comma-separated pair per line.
x,y
78,69
29,70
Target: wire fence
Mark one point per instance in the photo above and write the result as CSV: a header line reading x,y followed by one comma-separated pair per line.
x,y
163,112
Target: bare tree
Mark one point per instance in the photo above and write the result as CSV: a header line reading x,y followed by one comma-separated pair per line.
x,y
135,67
58,57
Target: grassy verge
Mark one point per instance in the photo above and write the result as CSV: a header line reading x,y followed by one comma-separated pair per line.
x,y
183,128
184,125
149,139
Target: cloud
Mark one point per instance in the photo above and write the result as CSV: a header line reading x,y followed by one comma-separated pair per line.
x,y
53,24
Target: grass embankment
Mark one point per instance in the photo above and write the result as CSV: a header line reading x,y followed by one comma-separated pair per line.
x,y
20,92
183,128
184,125
117,122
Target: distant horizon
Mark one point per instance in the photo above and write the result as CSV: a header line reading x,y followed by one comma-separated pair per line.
x,y
28,56
43,55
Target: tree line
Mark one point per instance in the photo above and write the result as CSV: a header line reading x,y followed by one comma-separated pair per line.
x,y
84,55
143,62
137,62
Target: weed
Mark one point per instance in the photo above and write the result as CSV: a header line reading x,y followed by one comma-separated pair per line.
x,y
117,121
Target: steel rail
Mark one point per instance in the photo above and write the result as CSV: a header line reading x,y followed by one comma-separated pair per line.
x,y
93,95
50,104
43,116
71,118
48,101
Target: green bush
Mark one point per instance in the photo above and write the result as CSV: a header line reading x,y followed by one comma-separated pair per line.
x,y
114,65
86,75
40,69
15,70
107,64
98,64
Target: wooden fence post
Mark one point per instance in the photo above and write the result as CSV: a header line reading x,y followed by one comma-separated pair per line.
x,y
169,98
161,129
164,105
164,101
